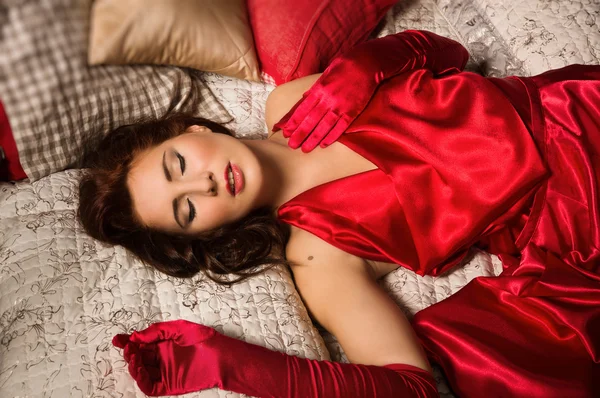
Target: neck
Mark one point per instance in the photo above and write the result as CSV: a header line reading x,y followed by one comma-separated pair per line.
x,y
280,165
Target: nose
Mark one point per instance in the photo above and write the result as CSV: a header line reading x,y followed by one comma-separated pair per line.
x,y
203,184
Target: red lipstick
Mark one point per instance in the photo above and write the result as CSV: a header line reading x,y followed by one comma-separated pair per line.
x,y
234,179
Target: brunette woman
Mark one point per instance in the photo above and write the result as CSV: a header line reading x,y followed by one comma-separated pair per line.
x,y
418,162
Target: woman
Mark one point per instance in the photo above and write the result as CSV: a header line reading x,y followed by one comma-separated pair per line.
x,y
405,180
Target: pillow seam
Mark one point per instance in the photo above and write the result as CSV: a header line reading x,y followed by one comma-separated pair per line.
x,y
305,37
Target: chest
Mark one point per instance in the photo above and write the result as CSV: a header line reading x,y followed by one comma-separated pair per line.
x,y
333,163
324,165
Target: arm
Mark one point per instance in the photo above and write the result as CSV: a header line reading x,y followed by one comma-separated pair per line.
x,y
391,55
341,292
347,85
179,357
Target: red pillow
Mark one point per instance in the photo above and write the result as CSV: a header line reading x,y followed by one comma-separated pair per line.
x,y
10,166
300,37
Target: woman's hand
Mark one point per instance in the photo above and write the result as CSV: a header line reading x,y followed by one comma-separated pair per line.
x,y
329,107
170,358
345,88
177,357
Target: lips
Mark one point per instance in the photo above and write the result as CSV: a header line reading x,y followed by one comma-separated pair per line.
x,y
234,179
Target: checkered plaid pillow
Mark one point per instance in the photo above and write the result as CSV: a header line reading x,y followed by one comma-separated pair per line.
x,y
58,106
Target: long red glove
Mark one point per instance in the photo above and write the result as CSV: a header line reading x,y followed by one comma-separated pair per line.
x,y
347,85
177,357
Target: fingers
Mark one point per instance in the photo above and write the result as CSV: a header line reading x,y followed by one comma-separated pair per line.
x,y
299,113
144,367
194,334
307,127
336,132
320,131
153,373
148,353
159,331
280,124
120,340
310,122
285,119
149,357
133,365
182,332
141,376
152,334
130,348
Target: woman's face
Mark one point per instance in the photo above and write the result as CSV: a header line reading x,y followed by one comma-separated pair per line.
x,y
195,182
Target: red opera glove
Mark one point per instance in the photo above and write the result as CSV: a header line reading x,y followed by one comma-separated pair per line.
x,y
171,357
347,85
177,357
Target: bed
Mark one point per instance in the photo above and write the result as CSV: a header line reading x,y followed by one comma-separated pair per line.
x,y
64,295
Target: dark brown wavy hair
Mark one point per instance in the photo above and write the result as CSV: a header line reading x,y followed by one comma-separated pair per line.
x,y
242,249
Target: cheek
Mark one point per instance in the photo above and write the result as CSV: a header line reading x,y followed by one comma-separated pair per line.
x,y
213,144
214,215
199,149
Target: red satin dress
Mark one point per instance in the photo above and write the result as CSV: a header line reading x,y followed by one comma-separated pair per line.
x,y
511,166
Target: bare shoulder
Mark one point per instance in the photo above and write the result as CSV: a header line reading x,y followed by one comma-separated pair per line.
x,y
341,293
284,97
305,250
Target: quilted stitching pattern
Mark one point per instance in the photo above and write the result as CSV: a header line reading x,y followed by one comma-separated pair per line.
x,y
546,34
64,295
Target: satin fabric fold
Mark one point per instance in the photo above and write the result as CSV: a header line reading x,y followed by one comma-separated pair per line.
x,y
541,317
443,190
511,165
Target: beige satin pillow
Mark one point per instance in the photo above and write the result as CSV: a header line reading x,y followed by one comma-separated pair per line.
x,y
210,35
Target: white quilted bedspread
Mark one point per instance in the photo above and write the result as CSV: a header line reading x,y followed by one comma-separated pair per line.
x,y
63,295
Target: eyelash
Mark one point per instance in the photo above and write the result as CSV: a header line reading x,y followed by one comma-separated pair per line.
x,y
181,163
192,211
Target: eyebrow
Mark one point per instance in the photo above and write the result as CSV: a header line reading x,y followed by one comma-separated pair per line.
x,y
175,212
165,169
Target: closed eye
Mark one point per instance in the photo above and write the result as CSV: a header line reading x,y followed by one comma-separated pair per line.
x,y
181,163
192,213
